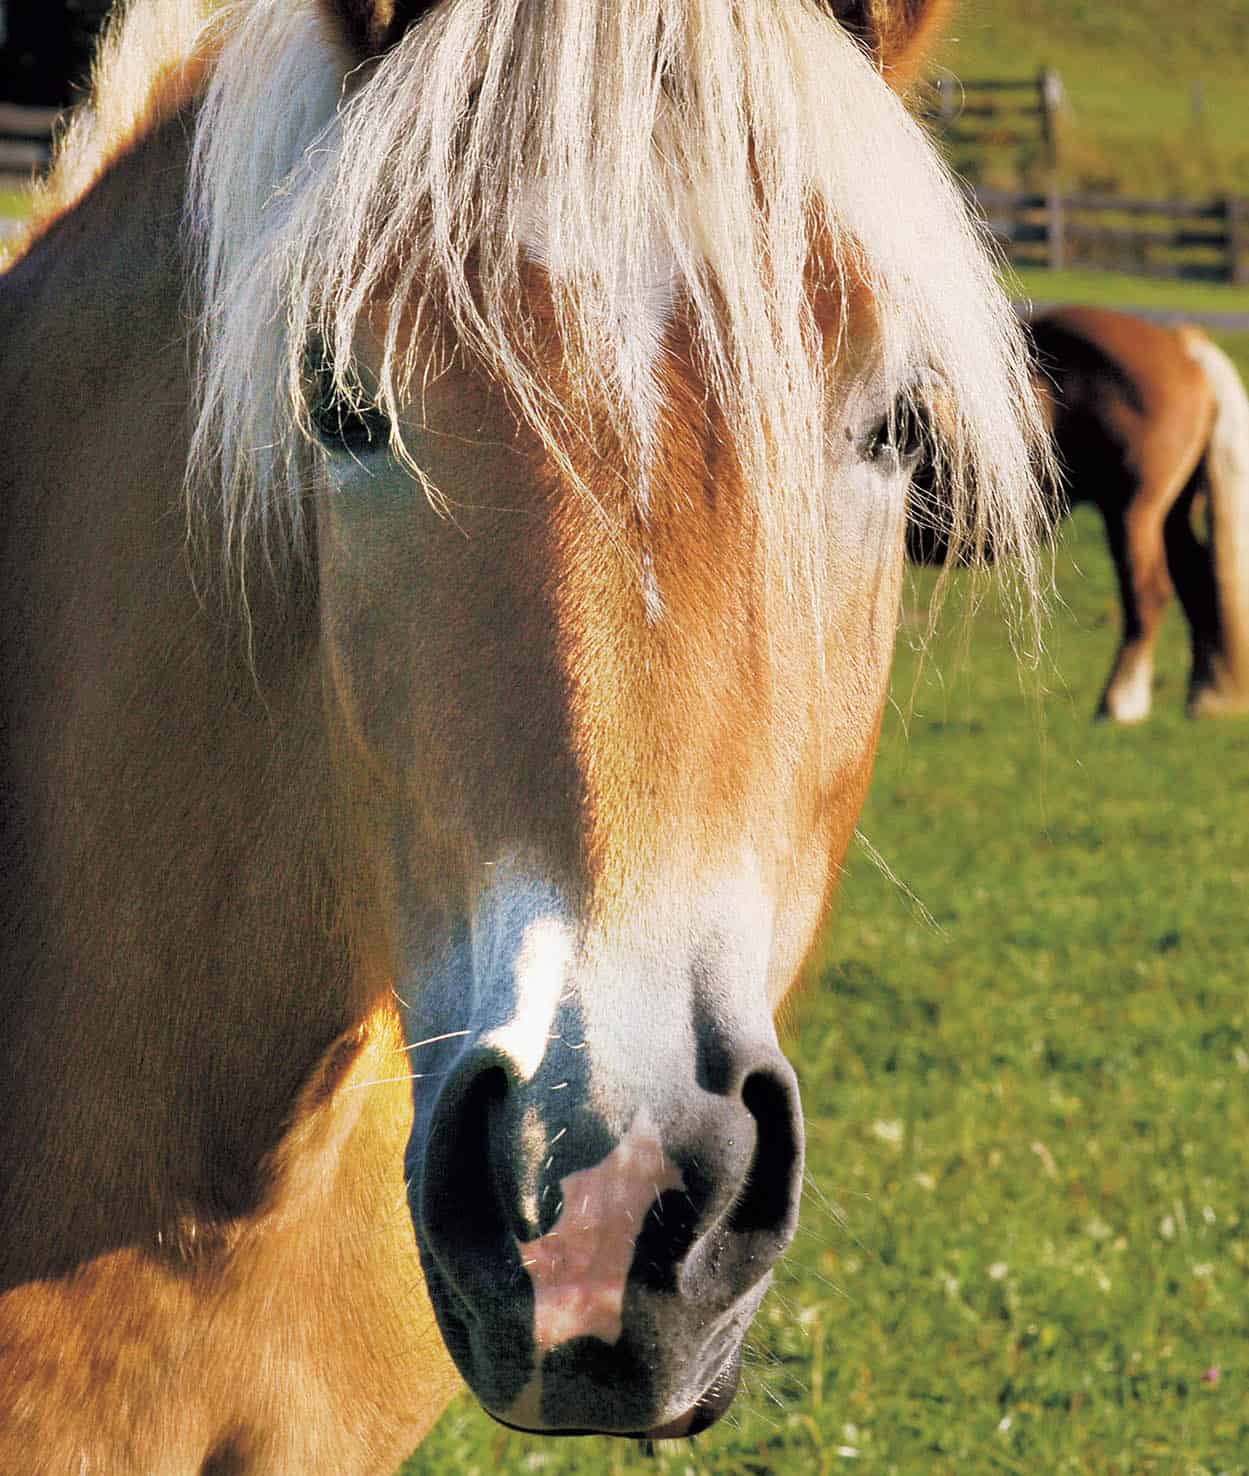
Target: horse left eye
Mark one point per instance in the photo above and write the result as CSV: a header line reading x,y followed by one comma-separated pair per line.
x,y
898,439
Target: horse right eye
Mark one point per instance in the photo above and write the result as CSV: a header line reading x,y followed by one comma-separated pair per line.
x,y
898,438
341,425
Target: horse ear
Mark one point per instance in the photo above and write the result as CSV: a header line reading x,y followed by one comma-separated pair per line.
x,y
898,34
370,27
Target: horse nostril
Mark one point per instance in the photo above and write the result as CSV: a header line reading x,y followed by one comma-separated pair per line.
x,y
463,1203
769,1201
752,1154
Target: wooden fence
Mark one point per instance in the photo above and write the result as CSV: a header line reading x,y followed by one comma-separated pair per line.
x,y
25,140
988,113
1198,240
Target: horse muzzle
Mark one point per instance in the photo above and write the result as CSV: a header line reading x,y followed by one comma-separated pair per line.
x,y
595,1250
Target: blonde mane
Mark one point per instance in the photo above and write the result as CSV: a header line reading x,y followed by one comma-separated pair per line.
x,y
719,137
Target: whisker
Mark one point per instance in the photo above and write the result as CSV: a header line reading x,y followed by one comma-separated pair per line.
x,y
434,1039
359,1086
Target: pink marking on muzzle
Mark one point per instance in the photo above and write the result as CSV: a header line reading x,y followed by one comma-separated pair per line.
x,y
580,1266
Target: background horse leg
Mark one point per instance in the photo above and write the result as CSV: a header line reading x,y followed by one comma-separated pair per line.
x,y
1134,533
1191,564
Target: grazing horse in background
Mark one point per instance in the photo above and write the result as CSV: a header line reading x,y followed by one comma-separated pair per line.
x,y
1146,420
453,518
1151,425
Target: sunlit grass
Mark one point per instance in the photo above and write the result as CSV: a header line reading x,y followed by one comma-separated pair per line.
x,y
1116,289
14,204
14,209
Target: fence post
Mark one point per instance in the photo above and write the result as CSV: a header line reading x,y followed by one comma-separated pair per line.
x,y
1055,225
946,103
1197,102
1049,101
1236,215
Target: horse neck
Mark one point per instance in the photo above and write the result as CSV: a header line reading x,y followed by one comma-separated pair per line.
x,y
167,980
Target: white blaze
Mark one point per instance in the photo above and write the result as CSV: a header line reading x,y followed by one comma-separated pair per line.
x,y
543,958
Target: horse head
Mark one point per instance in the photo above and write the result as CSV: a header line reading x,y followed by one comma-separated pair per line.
x,y
608,504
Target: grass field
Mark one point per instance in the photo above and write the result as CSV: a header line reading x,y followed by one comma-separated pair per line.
x,y
1111,289
1025,1239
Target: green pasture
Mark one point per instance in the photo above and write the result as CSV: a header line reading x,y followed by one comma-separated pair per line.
x,y
14,204
1117,289
1025,1237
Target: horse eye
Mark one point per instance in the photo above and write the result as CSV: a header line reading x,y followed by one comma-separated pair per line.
x,y
338,423
898,438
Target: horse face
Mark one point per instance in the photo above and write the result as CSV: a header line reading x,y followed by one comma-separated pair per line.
x,y
603,765
604,724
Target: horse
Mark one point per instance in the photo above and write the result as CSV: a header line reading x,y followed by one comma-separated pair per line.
x,y
454,503
1151,424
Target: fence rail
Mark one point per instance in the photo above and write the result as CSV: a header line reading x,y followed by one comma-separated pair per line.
x,y
1198,240
25,139
987,113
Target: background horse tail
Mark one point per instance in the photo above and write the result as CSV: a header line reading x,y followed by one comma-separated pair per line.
x,y
1227,475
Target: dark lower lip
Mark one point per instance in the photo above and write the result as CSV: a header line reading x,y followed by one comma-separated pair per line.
x,y
714,1403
